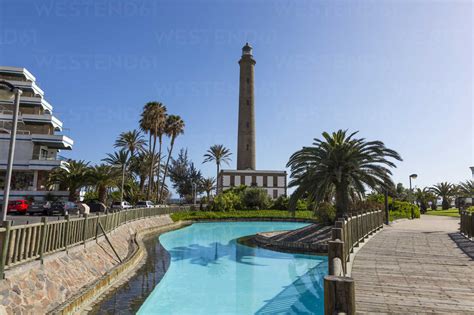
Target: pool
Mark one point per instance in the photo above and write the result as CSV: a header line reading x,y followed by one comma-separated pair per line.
x,y
210,273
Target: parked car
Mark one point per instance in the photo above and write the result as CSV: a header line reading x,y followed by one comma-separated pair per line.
x,y
39,207
18,206
96,206
117,205
145,204
63,208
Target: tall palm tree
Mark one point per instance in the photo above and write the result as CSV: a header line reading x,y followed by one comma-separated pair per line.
x,y
132,141
140,165
467,188
343,163
174,128
445,191
219,154
119,159
208,184
153,122
103,177
423,197
72,176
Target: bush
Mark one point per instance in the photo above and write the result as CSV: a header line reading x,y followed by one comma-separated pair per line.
x,y
255,199
403,209
326,213
281,203
470,209
226,202
206,215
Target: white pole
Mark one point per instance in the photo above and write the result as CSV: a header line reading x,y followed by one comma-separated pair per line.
x,y
11,153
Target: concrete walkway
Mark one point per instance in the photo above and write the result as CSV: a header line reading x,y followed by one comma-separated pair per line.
x,y
413,267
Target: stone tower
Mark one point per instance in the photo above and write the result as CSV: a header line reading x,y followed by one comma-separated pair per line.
x,y
246,133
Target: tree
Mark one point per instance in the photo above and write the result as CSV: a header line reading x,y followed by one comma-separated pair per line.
x,y
174,128
467,188
119,159
132,141
152,121
184,174
219,154
103,177
340,162
72,176
208,184
423,197
445,191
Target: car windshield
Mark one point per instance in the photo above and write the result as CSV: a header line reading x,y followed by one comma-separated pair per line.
x,y
141,203
116,203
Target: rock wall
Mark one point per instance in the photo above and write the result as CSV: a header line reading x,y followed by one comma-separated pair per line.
x,y
35,288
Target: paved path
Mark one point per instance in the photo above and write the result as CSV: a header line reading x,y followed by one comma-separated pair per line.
x,y
414,267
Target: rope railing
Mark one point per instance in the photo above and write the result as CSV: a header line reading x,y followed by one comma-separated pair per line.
x,y
347,234
23,243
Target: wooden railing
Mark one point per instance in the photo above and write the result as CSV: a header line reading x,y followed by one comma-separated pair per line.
x,y
347,234
467,224
29,242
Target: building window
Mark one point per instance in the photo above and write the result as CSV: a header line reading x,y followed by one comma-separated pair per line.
x,y
275,193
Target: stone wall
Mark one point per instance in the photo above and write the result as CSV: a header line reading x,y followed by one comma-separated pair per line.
x,y
35,288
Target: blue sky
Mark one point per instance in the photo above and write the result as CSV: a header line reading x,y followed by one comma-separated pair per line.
x,y
397,71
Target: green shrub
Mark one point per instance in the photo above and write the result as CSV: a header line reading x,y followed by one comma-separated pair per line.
x,y
326,213
209,215
281,203
471,209
301,205
255,199
403,209
226,202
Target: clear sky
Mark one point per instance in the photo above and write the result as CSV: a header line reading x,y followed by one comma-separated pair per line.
x,y
397,71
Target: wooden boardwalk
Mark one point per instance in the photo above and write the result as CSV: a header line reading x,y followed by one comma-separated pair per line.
x,y
414,267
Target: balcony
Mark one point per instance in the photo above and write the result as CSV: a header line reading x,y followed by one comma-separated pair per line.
x,y
51,141
15,72
31,101
28,85
31,118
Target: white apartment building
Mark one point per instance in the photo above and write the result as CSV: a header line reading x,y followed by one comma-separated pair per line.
x,y
38,140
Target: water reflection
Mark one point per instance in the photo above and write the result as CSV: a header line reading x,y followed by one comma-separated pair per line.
x,y
128,298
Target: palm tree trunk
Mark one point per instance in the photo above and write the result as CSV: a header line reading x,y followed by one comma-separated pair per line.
x,y
217,182
159,167
102,192
166,168
342,200
152,166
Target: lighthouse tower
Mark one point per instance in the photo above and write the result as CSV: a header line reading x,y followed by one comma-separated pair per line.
x,y
246,131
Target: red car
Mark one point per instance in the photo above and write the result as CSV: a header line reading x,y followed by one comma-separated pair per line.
x,y
18,206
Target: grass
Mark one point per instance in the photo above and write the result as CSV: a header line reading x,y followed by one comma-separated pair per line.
x,y
240,214
453,212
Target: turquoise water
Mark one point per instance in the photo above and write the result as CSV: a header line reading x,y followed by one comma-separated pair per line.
x,y
210,273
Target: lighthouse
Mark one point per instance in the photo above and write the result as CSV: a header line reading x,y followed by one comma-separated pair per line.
x,y
246,127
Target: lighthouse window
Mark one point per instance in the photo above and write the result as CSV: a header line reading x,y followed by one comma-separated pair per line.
x,y
248,125
248,81
248,102
247,147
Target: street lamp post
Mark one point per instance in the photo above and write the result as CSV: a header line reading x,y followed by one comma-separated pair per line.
x,y
7,93
194,193
414,176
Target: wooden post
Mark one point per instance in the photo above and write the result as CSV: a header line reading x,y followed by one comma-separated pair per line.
x,y
44,222
84,229
5,241
335,250
339,295
66,233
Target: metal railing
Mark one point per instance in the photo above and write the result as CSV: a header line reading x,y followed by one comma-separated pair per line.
x,y
467,224
347,234
23,243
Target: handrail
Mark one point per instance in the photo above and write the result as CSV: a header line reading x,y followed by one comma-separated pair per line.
x,y
347,234
23,243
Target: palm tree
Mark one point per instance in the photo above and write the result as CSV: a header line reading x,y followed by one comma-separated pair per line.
x,y
444,190
119,159
208,184
467,188
174,128
343,163
103,177
423,197
72,176
219,154
153,122
132,141
140,165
